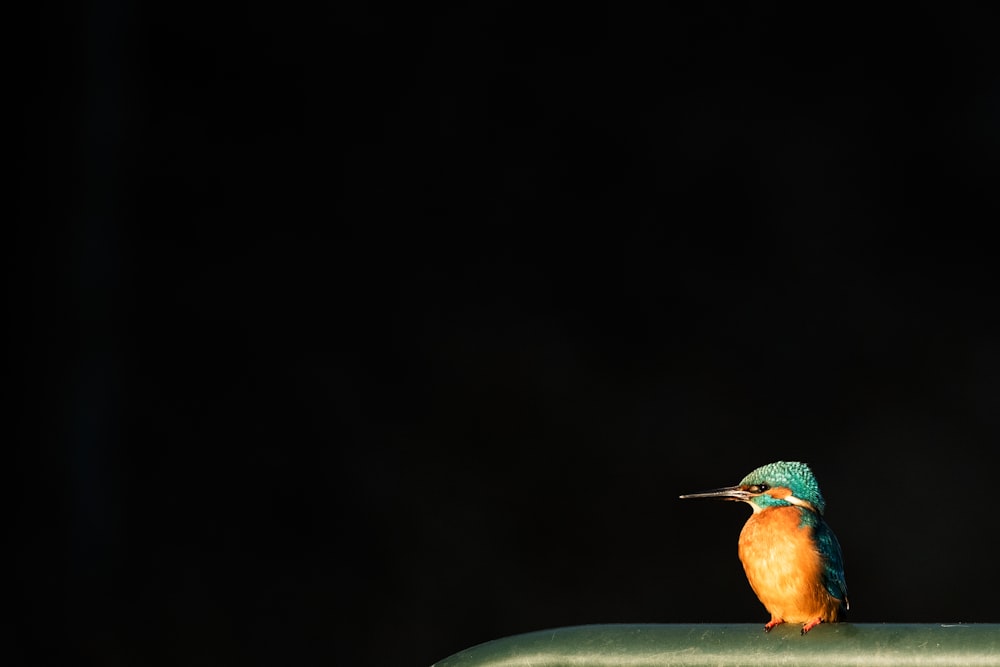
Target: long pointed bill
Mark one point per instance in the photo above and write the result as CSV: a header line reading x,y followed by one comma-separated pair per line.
x,y
728,493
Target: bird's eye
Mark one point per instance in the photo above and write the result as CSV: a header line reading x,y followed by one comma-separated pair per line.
x,y
759,488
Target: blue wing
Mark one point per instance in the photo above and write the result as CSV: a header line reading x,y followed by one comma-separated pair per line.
x,y
833,561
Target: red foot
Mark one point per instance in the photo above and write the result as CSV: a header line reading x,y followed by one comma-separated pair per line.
x,y
811,624
774,622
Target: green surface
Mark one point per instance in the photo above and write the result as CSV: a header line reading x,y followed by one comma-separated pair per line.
x,y
704,644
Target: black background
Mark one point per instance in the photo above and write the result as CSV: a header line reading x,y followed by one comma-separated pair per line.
x,y
362,334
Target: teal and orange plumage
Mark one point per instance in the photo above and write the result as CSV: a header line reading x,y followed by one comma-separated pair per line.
x,y
791,557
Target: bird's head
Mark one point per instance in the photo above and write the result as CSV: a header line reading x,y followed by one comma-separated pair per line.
x,y
774,485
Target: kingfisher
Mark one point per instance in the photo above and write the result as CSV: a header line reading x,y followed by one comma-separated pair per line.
x,y
791,557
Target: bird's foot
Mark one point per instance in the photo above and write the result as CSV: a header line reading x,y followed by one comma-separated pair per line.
x,y
811,624
772,624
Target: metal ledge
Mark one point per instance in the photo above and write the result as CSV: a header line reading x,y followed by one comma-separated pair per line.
x,y
742,644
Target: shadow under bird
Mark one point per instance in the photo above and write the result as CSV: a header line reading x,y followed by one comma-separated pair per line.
x,y
791,557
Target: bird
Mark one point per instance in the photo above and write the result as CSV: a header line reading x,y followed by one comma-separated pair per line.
x,y
791,557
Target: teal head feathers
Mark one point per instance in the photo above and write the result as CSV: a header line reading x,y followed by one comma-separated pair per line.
x,y
776,484
775,477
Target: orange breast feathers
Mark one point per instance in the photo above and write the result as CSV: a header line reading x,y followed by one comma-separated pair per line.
x,y
784,567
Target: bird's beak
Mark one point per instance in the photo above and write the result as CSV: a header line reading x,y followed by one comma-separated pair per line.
x,y
728,493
